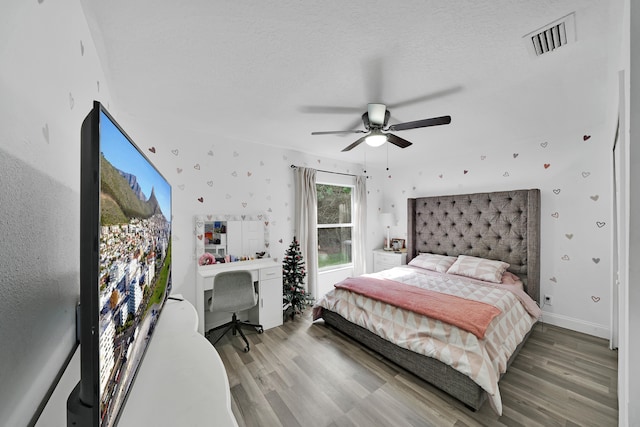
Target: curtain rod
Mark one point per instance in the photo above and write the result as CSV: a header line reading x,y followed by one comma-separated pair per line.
x,y
320,170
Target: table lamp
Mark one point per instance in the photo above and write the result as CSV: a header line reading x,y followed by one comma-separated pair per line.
x,y
387,220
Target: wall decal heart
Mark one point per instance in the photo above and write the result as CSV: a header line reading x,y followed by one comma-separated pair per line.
x,y
565,258
266,244
466,171
595,298
440,176
595,197
210,183
249,173
318,160
234,174
227,196
153,150
199,224
553,279
175,152
284,158
179,170
244,204
181,186
201,199
506,174
269,210
209,217
269,197
81,48
199,236
555,214
556,191
235,154
569,236
71,101
243,217
546,165
515,155
544,144
196,166
280,241
414,188
483,157
585,174
266,223
586,137
600,224
595,260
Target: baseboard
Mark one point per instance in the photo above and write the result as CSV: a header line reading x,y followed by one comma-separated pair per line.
x,y
589,328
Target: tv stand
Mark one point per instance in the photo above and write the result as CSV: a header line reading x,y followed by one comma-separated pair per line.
x,y
181,380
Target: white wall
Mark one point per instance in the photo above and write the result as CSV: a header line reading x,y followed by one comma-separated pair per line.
x,y
49,77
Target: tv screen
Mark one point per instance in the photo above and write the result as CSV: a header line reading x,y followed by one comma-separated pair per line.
x,y
125,266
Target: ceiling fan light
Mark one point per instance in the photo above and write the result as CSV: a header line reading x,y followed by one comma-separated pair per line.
x,y
376,139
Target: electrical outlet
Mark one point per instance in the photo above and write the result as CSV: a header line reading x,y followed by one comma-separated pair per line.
x,y
547,300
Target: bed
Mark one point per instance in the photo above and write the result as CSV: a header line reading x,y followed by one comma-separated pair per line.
x,y
502,226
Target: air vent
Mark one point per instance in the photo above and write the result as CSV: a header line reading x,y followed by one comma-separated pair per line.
x,y
551,36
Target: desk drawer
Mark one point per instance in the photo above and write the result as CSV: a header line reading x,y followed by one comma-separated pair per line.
x,y
271,273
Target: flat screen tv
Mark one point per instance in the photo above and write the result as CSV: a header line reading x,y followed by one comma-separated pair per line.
x,y
125,266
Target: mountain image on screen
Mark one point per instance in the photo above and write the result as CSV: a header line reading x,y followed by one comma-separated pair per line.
x,y
122,197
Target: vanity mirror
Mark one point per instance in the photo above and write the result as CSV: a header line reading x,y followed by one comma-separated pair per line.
x,y
232,237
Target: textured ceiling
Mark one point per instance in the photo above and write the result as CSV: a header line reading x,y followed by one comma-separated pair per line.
x,y
261,71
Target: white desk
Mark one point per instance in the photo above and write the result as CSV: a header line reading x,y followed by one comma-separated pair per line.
x,y
265,271
181,382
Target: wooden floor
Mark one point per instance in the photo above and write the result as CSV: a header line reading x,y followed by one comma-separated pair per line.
x,y
307,374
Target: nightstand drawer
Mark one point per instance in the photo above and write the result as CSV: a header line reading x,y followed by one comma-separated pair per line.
x,y
384,260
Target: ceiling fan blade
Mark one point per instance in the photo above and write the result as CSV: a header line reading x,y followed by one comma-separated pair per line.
x,y
436,121
355,144
396,140
424,98
321,109
336,132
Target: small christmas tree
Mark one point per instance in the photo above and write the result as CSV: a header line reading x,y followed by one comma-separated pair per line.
x,y
293,275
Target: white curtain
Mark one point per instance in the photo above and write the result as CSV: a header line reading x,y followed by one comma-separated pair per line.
x,y
359,226
306,222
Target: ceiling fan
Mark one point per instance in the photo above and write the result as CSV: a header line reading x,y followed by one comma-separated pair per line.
x,y
375,121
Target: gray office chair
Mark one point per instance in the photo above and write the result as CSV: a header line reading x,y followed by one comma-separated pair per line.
x,y
233,291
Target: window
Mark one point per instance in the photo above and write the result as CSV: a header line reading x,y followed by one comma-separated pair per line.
x,y
335,204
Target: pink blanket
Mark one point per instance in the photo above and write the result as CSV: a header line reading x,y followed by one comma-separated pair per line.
x,y
471,316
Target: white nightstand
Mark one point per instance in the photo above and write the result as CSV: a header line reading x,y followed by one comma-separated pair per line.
x,y
383,260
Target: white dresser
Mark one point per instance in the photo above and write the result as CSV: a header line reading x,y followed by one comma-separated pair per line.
x,y
383,260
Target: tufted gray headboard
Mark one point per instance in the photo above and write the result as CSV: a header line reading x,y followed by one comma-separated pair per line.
x,y
503,225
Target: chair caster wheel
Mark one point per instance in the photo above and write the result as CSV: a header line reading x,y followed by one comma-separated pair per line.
x,y
260,331
246,349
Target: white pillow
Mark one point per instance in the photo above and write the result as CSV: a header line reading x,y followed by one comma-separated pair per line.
x,y
479,268
439,263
